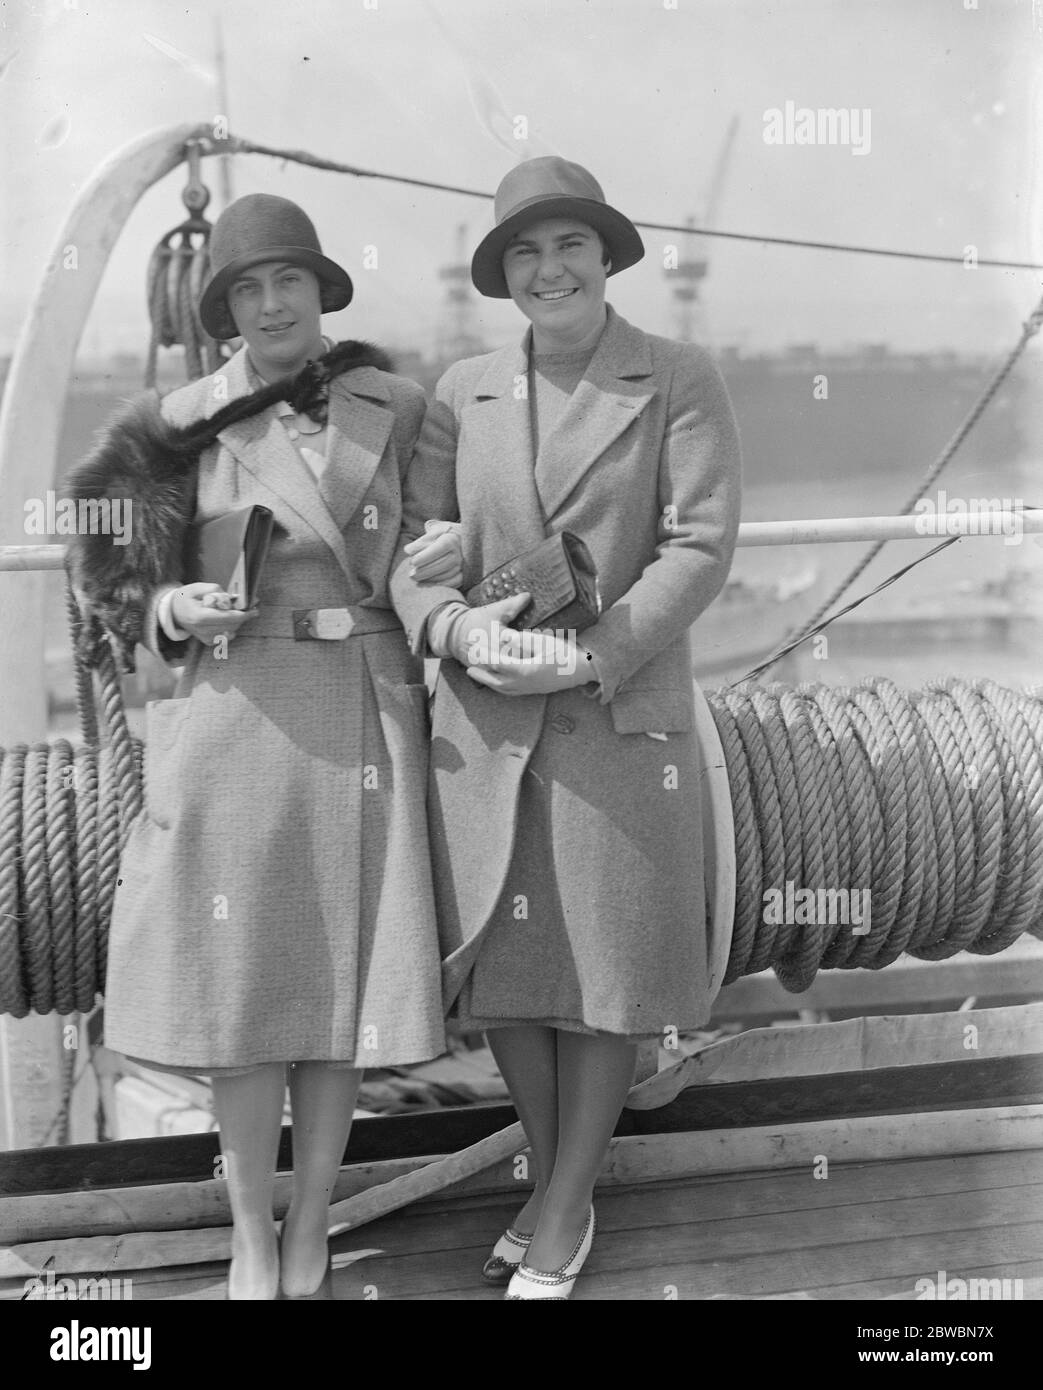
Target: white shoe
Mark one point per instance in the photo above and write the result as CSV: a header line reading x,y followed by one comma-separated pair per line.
x,y
507,1255
534,1283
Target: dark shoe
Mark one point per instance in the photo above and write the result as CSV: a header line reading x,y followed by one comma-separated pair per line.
x,y
507,1255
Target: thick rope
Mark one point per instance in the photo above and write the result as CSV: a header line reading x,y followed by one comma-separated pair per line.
x,y
930,800
36,903
60,853
13,997
85,785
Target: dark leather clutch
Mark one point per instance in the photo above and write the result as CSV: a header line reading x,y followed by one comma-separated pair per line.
x,y
230,551
562,578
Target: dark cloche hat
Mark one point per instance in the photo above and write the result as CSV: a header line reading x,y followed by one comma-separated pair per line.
x,y
550,187
262,227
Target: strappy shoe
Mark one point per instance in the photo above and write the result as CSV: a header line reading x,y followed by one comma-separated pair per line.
x,y
534,1283
507,1255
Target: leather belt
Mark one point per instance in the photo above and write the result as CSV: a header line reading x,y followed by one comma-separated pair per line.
x,y
319,624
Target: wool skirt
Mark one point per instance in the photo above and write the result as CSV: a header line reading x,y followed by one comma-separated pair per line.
x,y
600,926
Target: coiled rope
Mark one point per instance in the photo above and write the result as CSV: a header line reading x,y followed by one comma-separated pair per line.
x,y
930,800
65,815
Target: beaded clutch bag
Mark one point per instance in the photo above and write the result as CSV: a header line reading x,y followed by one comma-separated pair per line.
x,y
562,578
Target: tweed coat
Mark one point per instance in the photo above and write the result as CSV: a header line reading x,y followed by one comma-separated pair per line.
x,y
644,465
275,898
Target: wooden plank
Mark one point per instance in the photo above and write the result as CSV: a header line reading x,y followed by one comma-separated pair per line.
x,y
857,1044
722,1200
744,1258
163,1206
982,1082
192,1157
822,1270
1014,974
652,1158
184,1206
994,1081
638,1159
449,1269
977,1082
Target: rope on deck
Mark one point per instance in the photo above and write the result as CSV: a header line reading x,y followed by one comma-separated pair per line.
x,y
931,800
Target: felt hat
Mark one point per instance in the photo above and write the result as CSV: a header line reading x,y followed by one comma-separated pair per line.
x,y
263,227
543,188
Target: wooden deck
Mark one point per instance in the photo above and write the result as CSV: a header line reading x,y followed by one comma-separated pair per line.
x,y
715,1186
868,1231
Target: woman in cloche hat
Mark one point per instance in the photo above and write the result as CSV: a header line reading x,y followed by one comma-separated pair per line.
x,y
564,798
274,914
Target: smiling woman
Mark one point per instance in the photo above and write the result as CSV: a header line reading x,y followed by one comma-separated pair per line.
x,y
571,913
277,311
555,273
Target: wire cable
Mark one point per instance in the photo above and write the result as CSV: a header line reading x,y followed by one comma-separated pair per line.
x,y
234,145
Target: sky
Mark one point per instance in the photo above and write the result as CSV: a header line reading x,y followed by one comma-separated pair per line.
x,y
641,92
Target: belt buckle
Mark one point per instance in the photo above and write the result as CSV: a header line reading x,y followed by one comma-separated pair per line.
x,y
321,624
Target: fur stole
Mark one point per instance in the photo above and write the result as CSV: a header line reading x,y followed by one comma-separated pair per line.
x,y
143,459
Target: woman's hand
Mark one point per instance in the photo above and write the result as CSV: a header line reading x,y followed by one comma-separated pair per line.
x,y
536,663
205,611
479,635
437,555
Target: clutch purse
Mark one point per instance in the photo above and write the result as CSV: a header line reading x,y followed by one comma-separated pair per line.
x,y
562,578
230,551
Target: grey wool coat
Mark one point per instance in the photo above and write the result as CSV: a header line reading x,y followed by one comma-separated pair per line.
x,y
275,898
644,466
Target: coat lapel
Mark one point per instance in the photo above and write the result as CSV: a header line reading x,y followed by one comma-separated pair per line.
x,y
504,438
357,433
615,389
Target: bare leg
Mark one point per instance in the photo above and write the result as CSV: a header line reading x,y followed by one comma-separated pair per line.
x,y
528,1062
323,1102
594,1075
249,1115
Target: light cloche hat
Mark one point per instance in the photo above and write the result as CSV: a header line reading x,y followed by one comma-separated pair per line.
x,y
543,188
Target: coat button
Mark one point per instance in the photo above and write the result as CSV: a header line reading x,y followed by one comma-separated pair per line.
x,y
563,724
